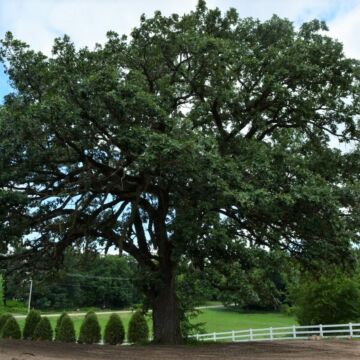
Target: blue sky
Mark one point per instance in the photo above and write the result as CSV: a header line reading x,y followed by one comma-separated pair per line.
x,y
38,22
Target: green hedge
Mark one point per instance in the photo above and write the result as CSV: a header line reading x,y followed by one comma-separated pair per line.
x,y
138,328
31,321
11,329
43,330
66,330
114,331
58,323
90,330
3,319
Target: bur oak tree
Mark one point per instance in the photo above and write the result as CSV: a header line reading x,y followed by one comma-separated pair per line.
x,y
200,136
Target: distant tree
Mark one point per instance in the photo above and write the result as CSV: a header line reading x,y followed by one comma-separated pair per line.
x,y
202,132
84,280
11,329
43,330
138,331
90,332
66,331
114,330
31,321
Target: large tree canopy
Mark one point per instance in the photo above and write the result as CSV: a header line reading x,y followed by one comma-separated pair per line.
x,y
201,136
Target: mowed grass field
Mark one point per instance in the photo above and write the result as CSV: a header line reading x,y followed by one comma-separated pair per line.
x,y
223,319
214,319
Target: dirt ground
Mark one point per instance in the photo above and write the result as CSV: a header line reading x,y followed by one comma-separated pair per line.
x,y
281,350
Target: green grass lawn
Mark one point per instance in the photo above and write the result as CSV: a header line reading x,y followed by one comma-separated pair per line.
x,y
218,319
222,319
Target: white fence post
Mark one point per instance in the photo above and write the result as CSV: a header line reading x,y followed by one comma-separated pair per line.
x,y
277,333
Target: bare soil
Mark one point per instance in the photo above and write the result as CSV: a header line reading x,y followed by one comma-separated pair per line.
x,y
281,350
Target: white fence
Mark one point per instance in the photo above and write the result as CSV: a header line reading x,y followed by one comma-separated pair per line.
x,y
284,333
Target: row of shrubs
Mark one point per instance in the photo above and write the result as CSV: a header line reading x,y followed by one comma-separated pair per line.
x,y
39,328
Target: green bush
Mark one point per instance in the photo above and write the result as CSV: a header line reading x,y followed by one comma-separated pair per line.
x,y
66,330
331,299
3,319
114,331
90,329
138,331
11,329
58,323
31,322
43,330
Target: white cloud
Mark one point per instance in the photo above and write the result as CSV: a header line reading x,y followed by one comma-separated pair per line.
x,y
38,22
296,10
346,29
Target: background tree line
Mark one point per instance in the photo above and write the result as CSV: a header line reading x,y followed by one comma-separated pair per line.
x,y
273,282
84,280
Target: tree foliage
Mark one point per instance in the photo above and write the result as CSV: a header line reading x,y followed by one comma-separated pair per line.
x,y
138,331
114,330
11,329
31,321
43,330
202,136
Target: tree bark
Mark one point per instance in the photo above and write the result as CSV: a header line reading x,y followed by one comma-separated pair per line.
x,y
166,313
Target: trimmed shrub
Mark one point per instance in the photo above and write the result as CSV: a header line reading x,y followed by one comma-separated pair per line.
x,y
43,330
138,331
31,322
114,331
58,323
3,319
66,330
90,330
11,329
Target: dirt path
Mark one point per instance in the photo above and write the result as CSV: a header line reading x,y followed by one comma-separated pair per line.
x,y
282,350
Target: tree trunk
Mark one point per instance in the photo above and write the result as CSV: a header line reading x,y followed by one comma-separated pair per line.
x,y
166,314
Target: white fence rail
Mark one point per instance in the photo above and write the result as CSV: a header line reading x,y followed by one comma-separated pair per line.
x,y
283,333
